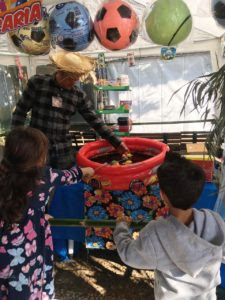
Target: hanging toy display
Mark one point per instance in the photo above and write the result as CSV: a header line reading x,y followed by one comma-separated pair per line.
x,y
218,9
8,4
33,39
116,25
168,53
169,22
71,27
19,2
19,67
2,6
130,59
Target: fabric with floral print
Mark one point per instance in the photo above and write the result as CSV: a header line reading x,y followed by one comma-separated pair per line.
x,y
26,251
141,202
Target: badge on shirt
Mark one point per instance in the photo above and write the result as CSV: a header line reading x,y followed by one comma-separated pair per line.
x,y
57,102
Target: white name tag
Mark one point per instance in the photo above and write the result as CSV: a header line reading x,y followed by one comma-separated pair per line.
x,y
57,102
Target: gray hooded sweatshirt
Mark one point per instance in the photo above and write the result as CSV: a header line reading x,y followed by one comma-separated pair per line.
x,y
186,259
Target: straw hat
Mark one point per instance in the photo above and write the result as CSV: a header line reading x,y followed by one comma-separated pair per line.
x,y
74,63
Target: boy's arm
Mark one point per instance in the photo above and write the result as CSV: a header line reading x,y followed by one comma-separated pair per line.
x,y
223,254
137,253
223,247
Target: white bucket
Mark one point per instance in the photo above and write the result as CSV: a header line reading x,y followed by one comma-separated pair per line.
x,y
124,80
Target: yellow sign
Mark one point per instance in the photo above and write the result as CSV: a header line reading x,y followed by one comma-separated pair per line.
x,y
15,14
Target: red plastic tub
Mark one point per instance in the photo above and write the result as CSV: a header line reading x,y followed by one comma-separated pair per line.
x,y
120,177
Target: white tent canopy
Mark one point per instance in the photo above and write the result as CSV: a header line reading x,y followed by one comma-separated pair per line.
x,y
205,26
152,80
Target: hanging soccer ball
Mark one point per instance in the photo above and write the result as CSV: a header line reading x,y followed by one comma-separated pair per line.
x,y
218,8
169,22
116,25
71,27
33,39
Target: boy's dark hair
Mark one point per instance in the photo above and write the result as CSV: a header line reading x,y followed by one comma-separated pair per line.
x,y
181,180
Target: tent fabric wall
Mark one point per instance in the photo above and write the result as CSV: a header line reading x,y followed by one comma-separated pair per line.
x,y
152,83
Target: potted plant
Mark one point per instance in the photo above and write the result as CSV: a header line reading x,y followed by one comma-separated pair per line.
x,y
207,91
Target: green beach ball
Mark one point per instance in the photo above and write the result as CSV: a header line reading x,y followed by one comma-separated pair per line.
x,y
169,22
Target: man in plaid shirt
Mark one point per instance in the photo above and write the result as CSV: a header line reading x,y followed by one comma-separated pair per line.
x,y
53,100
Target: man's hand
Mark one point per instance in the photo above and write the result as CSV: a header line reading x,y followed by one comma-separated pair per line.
x,y
123,149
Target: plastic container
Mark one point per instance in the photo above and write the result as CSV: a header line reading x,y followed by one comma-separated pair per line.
x,y
124,80
123,121
124,128
120,177
205,163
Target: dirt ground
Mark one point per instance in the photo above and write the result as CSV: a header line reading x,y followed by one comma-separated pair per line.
x,y
100,274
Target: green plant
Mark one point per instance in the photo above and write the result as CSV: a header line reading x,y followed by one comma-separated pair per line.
x,y
206,92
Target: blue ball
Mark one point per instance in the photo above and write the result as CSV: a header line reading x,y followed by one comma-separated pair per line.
x,y
71,27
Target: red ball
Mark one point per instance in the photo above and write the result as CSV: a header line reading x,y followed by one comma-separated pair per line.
x,y
116,25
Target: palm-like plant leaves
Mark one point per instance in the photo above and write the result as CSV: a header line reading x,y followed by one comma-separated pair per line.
x,y
208,91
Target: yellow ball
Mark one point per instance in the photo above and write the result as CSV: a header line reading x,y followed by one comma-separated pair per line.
x,y
33,39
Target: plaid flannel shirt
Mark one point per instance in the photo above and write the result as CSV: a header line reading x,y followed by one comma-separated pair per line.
x,y
55,121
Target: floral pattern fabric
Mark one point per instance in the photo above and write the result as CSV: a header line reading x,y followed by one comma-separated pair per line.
x,y
142,203
26,252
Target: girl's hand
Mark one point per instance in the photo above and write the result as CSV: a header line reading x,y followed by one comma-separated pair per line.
x,y
88,172
48,217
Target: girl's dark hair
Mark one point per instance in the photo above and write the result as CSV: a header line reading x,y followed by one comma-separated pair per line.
x,y
181,180
24,154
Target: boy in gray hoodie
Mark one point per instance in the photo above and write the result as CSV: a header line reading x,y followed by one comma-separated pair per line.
x,y
185,249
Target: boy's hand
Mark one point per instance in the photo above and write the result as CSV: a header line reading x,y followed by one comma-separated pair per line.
x,y
88,172
123,218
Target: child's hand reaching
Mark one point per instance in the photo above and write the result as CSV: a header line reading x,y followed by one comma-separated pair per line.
x,y
88,172
48,217
123,218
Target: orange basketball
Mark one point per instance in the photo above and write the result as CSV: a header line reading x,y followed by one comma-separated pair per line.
x,y
116,25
